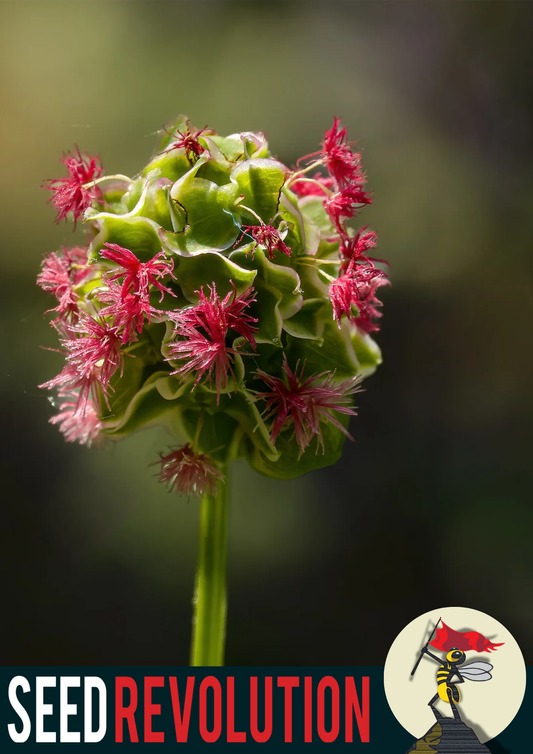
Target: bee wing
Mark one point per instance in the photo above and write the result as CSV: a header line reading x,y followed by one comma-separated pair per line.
x,y
477,671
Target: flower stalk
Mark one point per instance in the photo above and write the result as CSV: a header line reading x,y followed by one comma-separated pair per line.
x,y
209,601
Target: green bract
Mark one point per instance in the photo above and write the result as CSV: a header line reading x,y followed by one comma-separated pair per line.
x,y
201,208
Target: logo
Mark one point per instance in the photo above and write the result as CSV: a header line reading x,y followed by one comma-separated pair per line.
x,y
441,686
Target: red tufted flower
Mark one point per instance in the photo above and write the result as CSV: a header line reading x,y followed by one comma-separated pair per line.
x,y
268,238
342,163
61,271
355,247
127,311
75,426
129,303
138,276
304,403
353,294
188,472
345,203
203,329
189,142
72,194
93,356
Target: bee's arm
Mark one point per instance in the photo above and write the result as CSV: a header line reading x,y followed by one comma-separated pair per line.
x,y
459,676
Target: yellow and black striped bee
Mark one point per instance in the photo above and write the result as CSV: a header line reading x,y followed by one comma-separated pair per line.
x,y
448,691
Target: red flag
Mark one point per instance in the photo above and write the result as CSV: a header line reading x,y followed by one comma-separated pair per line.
x,y
447,638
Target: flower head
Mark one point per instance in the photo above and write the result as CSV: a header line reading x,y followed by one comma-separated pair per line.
x,y
304,403
128,312
203,329
77,426
129,303
355,247
188,140
188,472
353,294
61,271
179,218
72,194
93,356
343,165
138,276
344,203
268,238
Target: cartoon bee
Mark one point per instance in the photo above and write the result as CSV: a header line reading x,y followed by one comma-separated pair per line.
x,y
448,674
448,691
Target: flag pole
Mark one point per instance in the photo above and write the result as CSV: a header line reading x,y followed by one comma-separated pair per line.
x,y
422,650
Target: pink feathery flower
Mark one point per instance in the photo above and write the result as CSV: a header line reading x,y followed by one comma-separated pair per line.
x,y
345,203
342,163
189,142
60,273
138,276
312,187
72,194
128,312
93,356
304,403
203,329
75,426
237,318
188,472
268,238
355,247
353,294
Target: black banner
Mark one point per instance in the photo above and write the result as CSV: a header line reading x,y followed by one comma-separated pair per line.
x,y
166,705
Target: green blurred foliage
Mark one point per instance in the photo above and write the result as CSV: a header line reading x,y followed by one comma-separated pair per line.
x,y
431,504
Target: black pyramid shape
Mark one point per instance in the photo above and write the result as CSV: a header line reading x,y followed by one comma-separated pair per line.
x,y
449,735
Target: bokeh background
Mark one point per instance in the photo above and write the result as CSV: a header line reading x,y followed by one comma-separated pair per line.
x,y
431,505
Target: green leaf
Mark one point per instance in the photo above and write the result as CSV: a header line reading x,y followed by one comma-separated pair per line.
x,y
336,354
133,194
205,268
145,409
309,322
209,214
312,208
211,432
276,276
260,181
311,282
291,463
255,144
113,195
368,353
241,407
170,387
153,203
235,381
172,165
266,310
319,230
294,237
231,146
124,387
138,234
307,234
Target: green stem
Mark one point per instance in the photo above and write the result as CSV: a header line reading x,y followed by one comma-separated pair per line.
x,y
209,619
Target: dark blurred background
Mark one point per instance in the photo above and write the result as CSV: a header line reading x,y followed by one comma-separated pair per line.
x,y
431,505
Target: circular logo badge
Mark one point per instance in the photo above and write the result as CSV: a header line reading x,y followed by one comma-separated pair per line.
x,y
454,672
